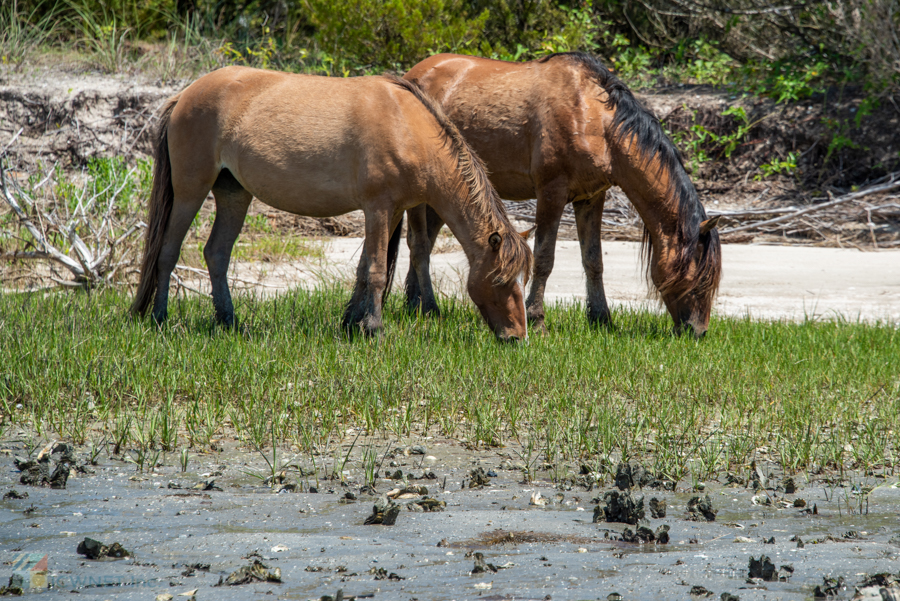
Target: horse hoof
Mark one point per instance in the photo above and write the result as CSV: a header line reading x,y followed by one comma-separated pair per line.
x,y
366,327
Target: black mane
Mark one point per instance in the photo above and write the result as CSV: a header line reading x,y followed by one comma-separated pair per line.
x,y
633,121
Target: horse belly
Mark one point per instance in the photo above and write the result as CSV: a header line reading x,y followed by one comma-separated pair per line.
x,y
299,177
305,193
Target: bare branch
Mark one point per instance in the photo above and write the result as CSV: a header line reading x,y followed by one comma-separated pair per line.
x,y
11,142
892,183
38,236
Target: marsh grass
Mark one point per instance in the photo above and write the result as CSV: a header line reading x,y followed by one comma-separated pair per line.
x,y
23,33
817,395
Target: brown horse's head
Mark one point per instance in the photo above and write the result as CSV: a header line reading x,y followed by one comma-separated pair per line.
x,y
687,278
496,281
682,249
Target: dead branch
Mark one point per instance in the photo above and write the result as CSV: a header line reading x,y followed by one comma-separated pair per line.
x,y
89,267
893,182
50,251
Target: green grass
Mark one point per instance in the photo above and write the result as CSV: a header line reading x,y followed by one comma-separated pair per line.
x,y
813,395
278,248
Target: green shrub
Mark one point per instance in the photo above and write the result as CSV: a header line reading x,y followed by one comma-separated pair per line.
x,y
393,33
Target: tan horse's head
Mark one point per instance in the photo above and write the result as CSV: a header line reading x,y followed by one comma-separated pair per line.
x,y
496,284
687,279
500,261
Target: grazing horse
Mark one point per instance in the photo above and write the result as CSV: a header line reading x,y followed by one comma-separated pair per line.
x,y
564,129
323,146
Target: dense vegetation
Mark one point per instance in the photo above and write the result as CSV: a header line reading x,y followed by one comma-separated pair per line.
x,y
786,50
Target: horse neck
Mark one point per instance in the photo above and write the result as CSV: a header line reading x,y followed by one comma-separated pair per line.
x,y
655,201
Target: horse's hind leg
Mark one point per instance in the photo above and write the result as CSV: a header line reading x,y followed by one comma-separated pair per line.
x,y
184,208
424,224
364,309
588,219
232,202
551,200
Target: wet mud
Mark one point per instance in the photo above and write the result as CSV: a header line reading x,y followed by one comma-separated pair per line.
x,y
241,538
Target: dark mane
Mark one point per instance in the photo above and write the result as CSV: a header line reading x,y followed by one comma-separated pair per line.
x,y
637,125
515,255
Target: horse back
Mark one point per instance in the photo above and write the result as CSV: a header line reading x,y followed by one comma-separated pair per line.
x,y
307,144
530,122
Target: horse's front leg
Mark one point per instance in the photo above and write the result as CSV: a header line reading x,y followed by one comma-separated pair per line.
x,y
551,200
363,312
589,220
423,226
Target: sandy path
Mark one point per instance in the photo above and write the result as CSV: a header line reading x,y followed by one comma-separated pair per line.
x,y
769,282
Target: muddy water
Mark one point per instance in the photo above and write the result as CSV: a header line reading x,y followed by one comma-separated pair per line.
x,y
321,545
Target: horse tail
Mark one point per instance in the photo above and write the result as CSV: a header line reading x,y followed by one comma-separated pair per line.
x,y
392,252
162,197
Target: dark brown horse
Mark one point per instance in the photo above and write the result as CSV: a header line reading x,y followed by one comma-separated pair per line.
x,y
564,129
323,146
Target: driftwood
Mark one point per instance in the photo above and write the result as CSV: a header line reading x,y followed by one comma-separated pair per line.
x,y
94,261
889,183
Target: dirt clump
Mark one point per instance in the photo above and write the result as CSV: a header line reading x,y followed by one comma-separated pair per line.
x,y
255,572
618,507
631,475
830,588
481,566
657,508
478,478
427,504
42,471
382,574
14,588
764,569
701,510
384,512
94,549
879,587
643,534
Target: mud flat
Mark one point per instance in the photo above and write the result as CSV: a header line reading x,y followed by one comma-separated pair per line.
x,y
182,539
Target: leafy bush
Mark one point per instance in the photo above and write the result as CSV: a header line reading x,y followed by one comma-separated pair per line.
x,y
393,33
787,54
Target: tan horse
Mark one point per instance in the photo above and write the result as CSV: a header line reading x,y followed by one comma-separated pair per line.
x,y
322,146
564,129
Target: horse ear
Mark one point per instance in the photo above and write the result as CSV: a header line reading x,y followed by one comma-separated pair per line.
x,y
527,233
709,224
495,240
